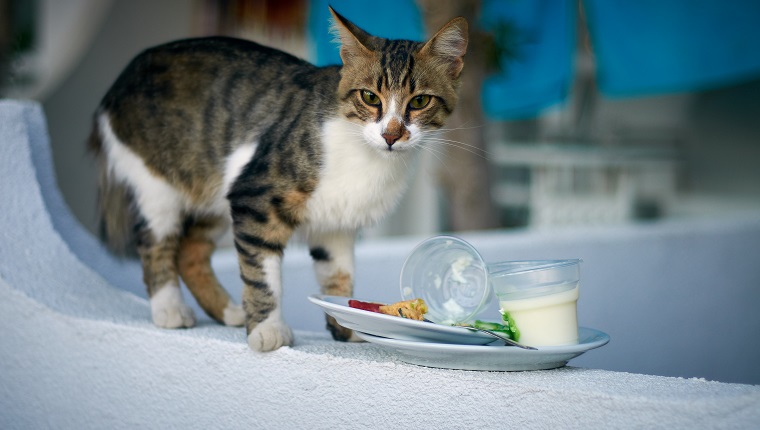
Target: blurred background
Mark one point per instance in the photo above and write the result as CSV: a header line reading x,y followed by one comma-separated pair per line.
x,y
573,113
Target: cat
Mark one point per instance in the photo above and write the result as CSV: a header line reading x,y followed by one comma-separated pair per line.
x,y
198,134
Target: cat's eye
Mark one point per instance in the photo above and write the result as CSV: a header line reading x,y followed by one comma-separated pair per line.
x,y
419,102
370,98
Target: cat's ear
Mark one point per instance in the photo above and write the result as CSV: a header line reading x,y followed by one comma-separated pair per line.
x,y
450,45
353,40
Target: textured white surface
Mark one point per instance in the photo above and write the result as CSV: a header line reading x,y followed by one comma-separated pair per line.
x,y
69,372
76,351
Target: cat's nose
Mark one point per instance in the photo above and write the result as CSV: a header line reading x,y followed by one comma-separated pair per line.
x,y
391,138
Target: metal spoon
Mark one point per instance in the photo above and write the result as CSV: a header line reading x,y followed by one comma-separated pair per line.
x,y
506,340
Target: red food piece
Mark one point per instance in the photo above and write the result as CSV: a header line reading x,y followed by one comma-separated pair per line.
x,y
367,306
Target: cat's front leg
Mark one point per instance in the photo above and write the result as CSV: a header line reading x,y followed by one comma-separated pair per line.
x,y
333,255
262,302
260,249
260,266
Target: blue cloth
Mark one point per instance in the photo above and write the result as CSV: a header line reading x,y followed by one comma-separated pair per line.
x,y
641,47
653,46
539,72
392,19
538,78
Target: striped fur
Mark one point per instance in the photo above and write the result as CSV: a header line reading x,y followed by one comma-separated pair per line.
x,y
199,134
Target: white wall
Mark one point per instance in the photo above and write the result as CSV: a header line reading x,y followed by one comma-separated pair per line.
x,y
130,27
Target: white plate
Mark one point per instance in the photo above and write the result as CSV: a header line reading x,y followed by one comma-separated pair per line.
x,y
489,357
395,327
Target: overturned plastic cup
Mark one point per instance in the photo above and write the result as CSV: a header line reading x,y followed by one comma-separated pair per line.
x,y
450,275
540,296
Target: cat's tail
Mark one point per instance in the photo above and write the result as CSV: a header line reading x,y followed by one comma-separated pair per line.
x,y
116,212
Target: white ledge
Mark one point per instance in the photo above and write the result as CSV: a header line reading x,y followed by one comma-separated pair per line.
x,y
77,349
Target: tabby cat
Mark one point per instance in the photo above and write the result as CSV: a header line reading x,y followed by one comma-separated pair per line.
x,y
201,133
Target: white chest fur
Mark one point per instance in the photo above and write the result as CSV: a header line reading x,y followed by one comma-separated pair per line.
x,y
359,184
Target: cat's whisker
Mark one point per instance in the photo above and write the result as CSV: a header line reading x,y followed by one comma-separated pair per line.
x,y
434,152
403,159
356,133
461,145
359,126
446,130
440,158
451,140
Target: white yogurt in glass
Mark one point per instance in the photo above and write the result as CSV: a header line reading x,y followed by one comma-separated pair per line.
x,y
545,320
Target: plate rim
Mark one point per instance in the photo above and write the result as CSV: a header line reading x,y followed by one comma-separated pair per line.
x,y
600,339
318,299
490,358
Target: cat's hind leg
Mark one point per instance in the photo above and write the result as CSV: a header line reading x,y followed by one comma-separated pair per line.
x,y
159,259
158,246
196,246
333,255
157,209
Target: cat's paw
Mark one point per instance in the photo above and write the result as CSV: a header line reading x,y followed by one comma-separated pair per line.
x,y
169,311
268,336
341,333
175,316
234,315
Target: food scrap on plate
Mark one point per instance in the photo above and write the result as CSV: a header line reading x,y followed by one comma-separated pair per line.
x,y
414,309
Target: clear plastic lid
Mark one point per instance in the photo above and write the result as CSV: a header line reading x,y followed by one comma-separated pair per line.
x,y
516,280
